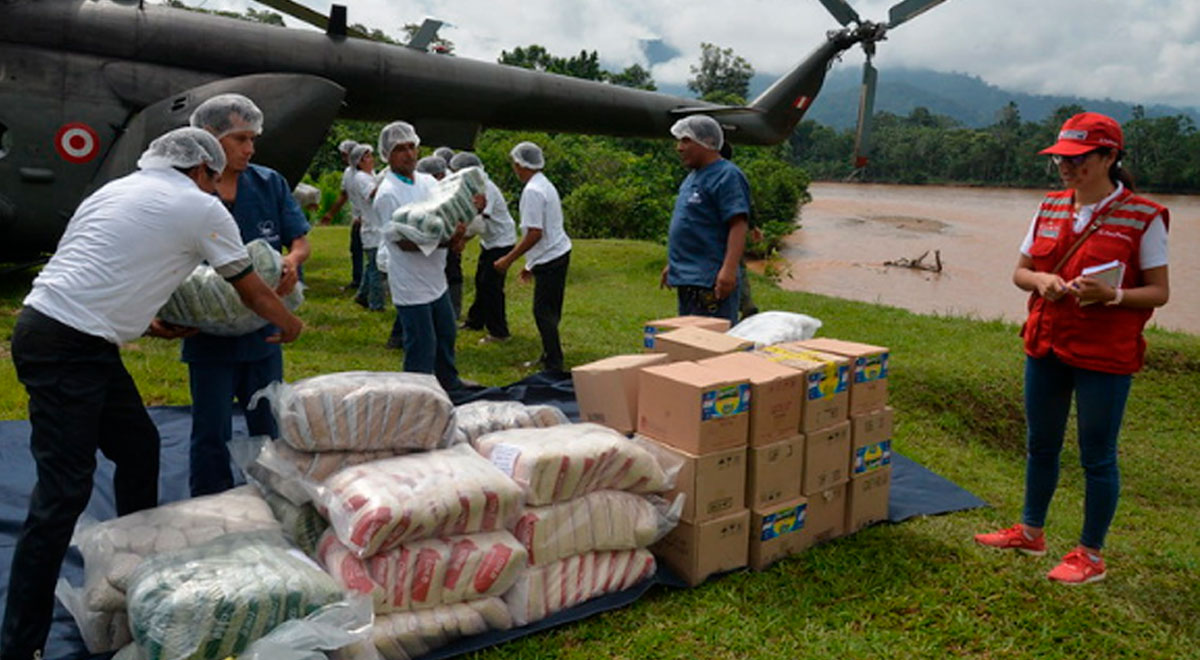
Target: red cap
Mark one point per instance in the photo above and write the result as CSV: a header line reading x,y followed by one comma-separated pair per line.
x,y
1087,131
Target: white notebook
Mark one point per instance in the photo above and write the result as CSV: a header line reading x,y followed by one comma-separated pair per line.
x,y
1111,273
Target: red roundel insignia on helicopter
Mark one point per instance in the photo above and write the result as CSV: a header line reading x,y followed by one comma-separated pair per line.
x,y
76,142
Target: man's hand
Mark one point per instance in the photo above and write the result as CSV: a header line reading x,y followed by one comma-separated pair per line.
x,y
526,276
726,282
289,275
756,235
502,264
288,334
662,280
326,220
480,201
166,330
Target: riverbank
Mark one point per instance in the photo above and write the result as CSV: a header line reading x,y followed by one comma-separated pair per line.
x,y
919,589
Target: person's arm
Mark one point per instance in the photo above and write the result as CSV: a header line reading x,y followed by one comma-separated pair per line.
x,y
298,253
1047,285
530,239
735,244
333,209
259,297
1154,292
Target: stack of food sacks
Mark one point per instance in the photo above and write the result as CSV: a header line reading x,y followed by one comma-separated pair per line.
x,y
587,522
425,535
432,222
206,301
114,549
476,419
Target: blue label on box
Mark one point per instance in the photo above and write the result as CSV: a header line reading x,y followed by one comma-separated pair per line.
x,y
872,457
725,402
871,367
828,381
783,522
648,336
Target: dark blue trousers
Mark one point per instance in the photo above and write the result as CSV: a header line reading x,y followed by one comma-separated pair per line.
x,y
429,335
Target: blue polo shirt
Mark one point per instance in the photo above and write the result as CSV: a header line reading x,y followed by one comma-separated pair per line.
x,y
699,231
264,208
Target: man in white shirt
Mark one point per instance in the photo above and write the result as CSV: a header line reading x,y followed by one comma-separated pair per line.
x,y
497,236
546,247
345,147
126,249
361,190
417,281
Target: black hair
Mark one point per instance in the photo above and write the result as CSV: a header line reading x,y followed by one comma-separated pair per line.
x,y
1116,173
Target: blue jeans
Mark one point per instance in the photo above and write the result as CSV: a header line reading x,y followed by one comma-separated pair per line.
x,y
701,301
1100,405
429,334
214,386
370,290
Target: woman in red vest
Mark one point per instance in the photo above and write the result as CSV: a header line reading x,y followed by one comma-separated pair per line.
x,y
1095,264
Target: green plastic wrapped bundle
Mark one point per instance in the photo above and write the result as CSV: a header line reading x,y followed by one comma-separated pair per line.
x,y
431,222
212,602
206,301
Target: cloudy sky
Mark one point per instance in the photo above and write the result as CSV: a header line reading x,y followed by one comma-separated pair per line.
x,y
1143,51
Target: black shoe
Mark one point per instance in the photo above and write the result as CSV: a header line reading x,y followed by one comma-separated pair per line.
x,y
361,302
395,345
351,286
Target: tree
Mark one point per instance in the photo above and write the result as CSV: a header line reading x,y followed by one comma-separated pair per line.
x,y
633,76
584,65
720,75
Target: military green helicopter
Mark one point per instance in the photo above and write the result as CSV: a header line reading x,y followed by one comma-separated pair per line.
x,y
86,84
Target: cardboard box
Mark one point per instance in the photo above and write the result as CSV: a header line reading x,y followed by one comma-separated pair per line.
x,y
867,499
693,343
774,472
607,389
714,484
826,458
868,371
826,399
697,409
826,517
775,392
694,551
652,329
870,441
776,531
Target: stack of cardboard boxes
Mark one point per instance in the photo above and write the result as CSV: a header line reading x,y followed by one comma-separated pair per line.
x,y
766,438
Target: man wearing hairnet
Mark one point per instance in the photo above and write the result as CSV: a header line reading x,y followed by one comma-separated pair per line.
x,y
361,189
223,368
345,147
546,247
417,280
127,248
437,167
708,226
497,236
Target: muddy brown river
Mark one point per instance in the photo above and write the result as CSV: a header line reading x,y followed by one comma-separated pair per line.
x,y
849,231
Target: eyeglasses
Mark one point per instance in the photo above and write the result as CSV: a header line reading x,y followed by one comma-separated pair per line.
x,y
1074,161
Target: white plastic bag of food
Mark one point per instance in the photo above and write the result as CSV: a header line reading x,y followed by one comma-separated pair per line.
x,y
559,463
335,626
767,328
408,635
478,418
545,590
377,506
602,520
431,222
206,301
361,411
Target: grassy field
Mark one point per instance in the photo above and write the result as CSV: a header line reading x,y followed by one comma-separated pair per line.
x,y
919,589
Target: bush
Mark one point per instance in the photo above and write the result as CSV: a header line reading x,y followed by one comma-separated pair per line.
x,y
330,184
777,190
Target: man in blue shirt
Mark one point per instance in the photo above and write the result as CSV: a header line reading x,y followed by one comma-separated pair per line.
x,y
708,226
221,368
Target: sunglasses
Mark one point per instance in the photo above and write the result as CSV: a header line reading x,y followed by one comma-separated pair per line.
x,y
1074,161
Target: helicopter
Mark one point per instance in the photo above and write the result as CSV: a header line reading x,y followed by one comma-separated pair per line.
x,y
87,84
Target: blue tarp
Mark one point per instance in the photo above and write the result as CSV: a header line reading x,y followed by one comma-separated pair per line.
x,y
915,491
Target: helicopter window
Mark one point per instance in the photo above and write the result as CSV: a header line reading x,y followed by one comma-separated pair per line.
x,y
5,140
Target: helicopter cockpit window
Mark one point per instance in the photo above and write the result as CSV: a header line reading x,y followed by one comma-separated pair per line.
x,y
5,140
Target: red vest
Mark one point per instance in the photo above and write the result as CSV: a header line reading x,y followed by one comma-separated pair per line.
x,y
1097,337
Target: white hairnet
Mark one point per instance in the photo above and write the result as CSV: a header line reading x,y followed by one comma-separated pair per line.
x,y
702,129
445,153
463,160
346,146
432,165
358,153
184,147
528,155
397,132
228,113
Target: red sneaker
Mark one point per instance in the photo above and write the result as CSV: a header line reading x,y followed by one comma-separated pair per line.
x,y
1014,537
1077,567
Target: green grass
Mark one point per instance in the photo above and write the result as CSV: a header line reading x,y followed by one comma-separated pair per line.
x,y
919,589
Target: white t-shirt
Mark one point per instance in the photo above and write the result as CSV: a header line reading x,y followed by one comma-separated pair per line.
x,y
361,185
541,209
1152,252
128,247
347,177
499,230
413,277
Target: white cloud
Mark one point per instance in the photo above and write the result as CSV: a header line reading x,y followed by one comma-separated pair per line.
x,y
1144,51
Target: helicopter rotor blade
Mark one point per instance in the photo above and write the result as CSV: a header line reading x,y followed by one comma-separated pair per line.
x,y
906,10
866,110
842,11
302,13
